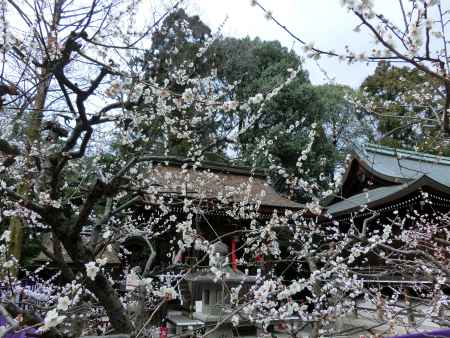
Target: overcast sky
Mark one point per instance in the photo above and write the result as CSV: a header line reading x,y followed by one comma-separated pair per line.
x,y
323,21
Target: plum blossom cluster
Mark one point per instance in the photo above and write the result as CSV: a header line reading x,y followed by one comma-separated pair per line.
x,y
419,40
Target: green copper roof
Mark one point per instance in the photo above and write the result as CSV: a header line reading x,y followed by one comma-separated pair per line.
x,y
399,165
356,202
406,170
378,197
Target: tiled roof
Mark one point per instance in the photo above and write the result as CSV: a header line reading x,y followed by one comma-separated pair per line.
x,y
406,170
226,184
356,202
399,165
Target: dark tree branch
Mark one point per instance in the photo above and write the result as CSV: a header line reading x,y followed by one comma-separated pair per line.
x,y
399,55
8,149
98,190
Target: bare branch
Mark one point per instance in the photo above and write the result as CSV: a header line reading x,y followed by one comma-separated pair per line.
x,y
12,323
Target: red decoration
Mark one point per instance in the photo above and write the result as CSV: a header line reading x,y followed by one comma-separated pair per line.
x,y
233,255
163,331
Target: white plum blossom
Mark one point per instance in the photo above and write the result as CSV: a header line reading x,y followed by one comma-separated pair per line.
x,y
102,261
8,264
6,236
188,96
314,207
52,319
107,234
257,99
63,303
230,105
91,270
167,292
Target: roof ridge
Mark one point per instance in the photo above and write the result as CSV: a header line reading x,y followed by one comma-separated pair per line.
x,y
209,165
414,155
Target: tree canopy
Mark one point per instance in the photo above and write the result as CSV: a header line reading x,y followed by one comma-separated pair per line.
x,y
404,101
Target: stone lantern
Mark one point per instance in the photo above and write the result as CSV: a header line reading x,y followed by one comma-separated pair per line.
x,y
210,290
